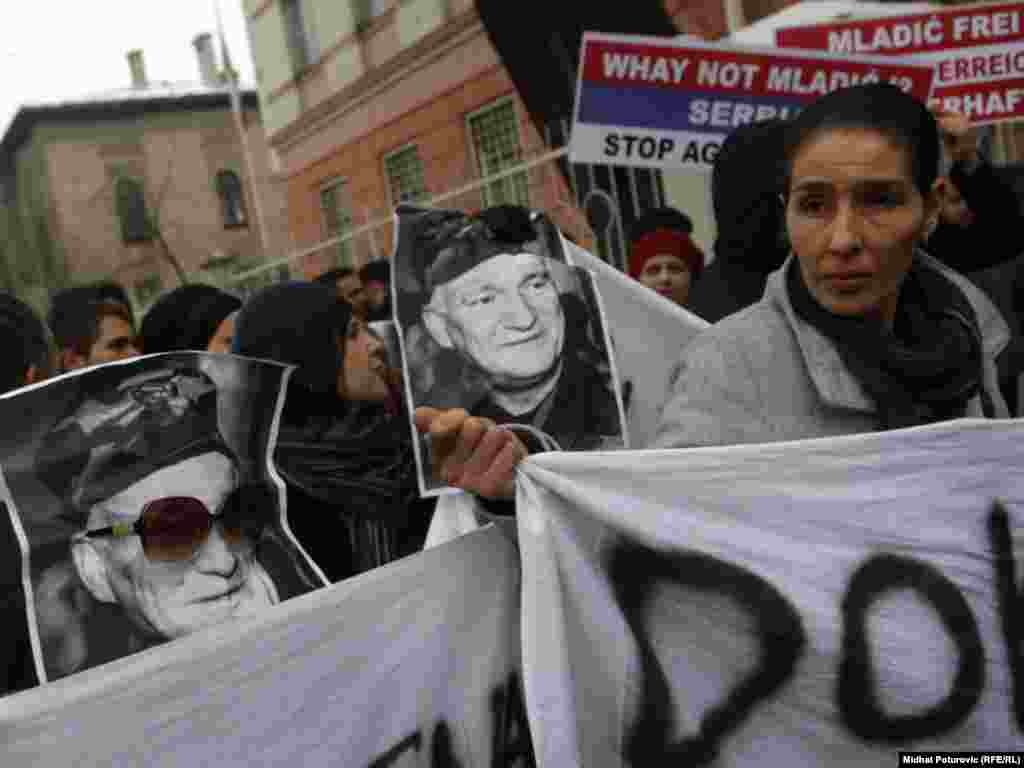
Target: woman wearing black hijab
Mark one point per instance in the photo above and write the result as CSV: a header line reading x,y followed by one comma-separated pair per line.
x,y
346,459
193,316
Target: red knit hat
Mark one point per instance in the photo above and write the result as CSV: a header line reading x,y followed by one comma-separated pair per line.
x,y
661,242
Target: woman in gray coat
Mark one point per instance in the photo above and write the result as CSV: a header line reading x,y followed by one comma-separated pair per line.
x,y
858,331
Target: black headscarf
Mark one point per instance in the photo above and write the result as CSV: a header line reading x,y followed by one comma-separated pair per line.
x,y
745,185
352,459
927,368
185,318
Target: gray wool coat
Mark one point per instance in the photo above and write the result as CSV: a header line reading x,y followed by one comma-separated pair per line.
x,y
764,375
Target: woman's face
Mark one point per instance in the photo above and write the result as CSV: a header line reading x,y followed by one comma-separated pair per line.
x,y
363,375
223,336
669,275
854,217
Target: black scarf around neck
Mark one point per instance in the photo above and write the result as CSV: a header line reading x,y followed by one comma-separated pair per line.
x,y
361,451
924,371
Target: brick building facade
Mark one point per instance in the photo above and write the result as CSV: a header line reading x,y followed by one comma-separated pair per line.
x,y
374,102
123,179
371,102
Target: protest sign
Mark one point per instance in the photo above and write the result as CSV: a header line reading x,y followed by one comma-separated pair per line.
x,y
818,602
494,320
648,335
977,52
411,664
648,102
138,504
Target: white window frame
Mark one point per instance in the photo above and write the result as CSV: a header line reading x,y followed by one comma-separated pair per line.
x,y
387,177
310,45
343,251
366,11
491,106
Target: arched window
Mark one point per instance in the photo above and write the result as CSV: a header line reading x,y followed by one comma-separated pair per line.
x,y
131,209
232,202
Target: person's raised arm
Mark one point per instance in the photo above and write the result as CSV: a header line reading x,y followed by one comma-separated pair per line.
x,y
994,234
472,453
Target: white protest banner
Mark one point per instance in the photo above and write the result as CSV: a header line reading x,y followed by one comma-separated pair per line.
x,y
492,318
977,51
822,602
412,664
651,102
648,335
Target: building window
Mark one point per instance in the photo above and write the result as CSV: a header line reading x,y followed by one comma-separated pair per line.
x,y
496,144
301,44
405,175
337,217
131,209
232,201
368,10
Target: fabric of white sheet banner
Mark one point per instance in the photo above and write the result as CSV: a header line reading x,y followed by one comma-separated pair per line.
x,y
648,333
402,666
823,602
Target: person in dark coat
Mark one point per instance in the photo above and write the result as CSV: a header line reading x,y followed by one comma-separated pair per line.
x,y
194,317
980,223
346,459
980,230
28,355
751,243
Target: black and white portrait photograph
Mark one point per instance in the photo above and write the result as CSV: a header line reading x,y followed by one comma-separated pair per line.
x,y
142,499
495,321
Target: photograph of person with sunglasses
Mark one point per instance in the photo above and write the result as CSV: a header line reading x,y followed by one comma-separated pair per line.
x,y
169,531
496,322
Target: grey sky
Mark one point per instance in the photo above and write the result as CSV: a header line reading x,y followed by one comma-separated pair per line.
x,y
61,49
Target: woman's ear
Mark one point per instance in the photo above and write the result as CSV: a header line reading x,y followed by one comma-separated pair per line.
x,y
92,569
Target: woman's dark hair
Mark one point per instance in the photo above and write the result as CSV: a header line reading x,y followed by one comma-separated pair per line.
x,y
185,318
879,107
25,342
108,290
298,324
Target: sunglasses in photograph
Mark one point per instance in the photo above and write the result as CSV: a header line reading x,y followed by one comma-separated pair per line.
x,y
174,528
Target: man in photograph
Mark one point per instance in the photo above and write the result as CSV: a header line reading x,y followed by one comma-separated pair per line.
x,y
513,339
167,537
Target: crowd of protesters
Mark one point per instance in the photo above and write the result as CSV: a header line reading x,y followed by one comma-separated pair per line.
x,y
837,290
344,449
836,294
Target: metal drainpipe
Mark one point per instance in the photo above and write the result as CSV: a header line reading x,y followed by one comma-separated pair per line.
x,y
735,19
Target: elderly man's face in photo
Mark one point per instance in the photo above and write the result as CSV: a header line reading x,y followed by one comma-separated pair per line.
x,y
505,315
173,598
